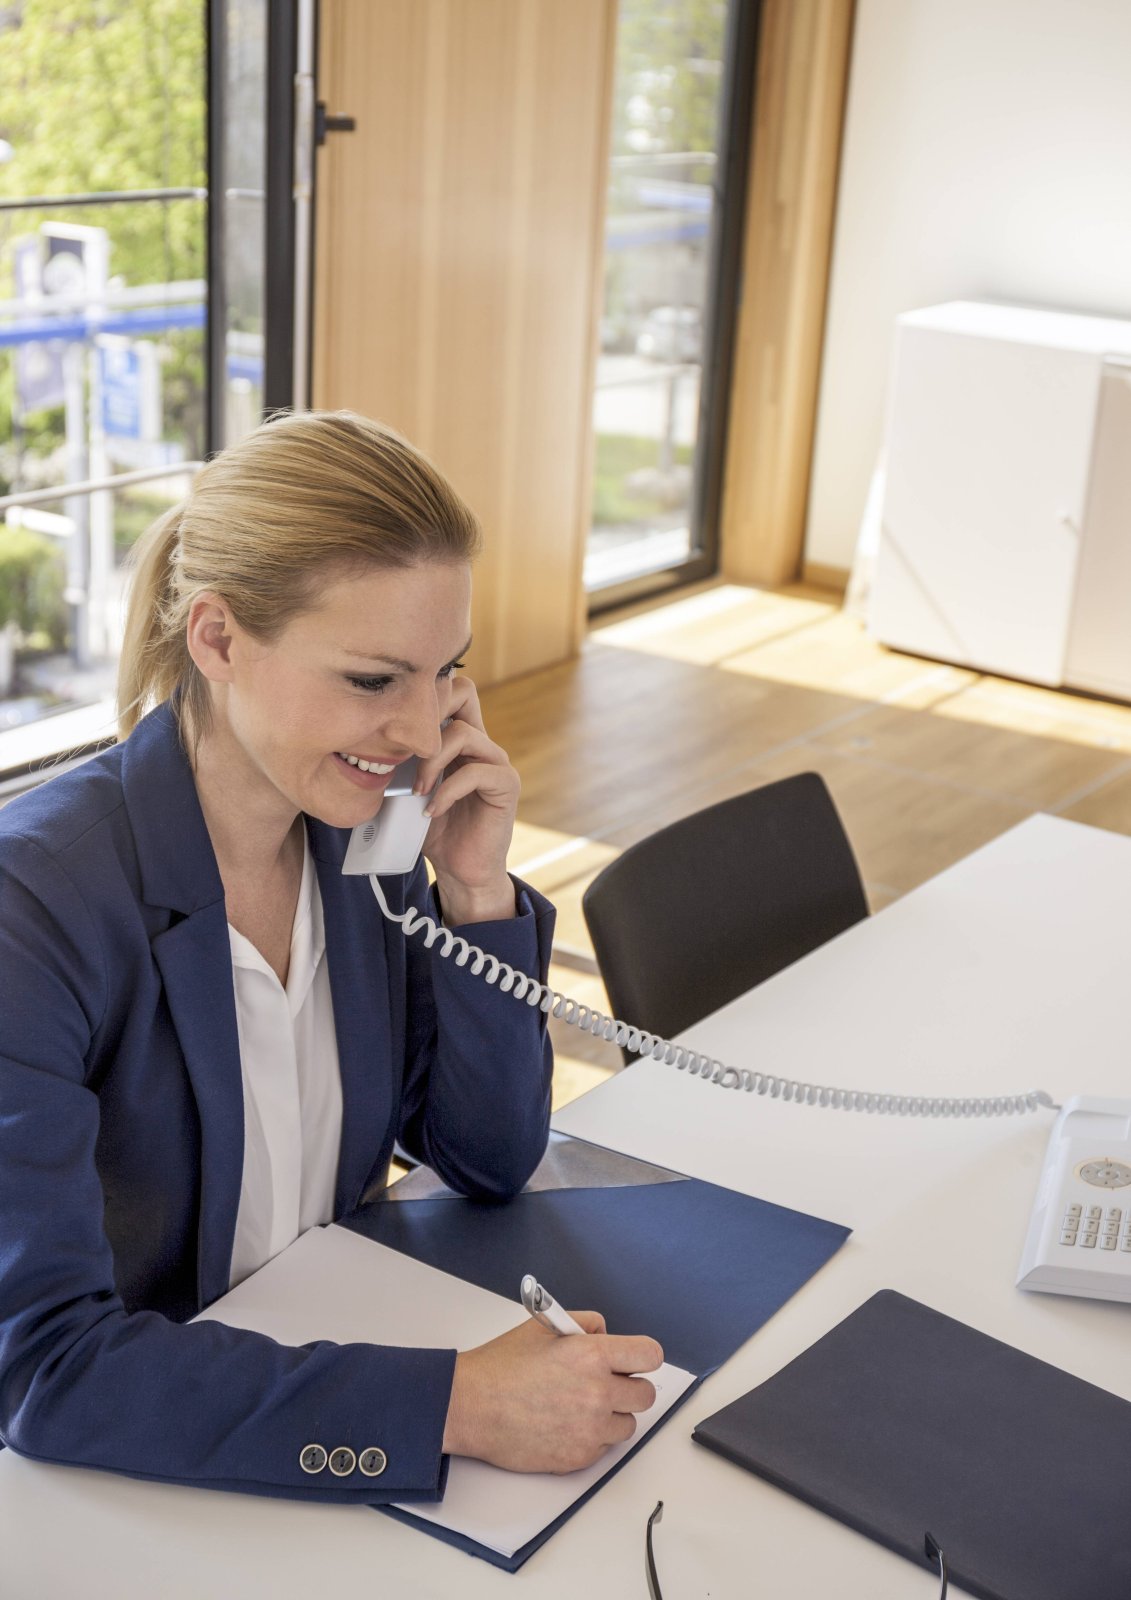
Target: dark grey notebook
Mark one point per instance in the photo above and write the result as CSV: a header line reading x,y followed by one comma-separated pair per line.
x,y
901,1420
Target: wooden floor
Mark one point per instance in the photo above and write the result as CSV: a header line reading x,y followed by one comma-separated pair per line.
x,y
680,705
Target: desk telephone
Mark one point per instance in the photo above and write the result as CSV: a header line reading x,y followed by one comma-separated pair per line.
x,y
1080,1234
1079,1239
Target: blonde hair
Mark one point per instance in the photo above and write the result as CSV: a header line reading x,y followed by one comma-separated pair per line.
x,y
267,525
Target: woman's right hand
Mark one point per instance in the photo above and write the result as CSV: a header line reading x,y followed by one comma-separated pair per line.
x,y
535,1401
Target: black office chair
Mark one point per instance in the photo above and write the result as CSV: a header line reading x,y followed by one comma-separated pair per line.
x,y
711,905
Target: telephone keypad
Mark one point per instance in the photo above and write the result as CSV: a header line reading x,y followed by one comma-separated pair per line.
x,y
1096,1227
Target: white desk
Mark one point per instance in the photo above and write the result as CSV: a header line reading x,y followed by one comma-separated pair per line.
x,y
1007,972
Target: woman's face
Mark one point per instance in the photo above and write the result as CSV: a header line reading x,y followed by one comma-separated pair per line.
x,y
367,674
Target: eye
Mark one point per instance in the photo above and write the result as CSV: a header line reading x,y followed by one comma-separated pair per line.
x,y
370,685
452,668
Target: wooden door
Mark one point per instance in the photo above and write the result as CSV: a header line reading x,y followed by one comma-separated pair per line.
x,y
457,273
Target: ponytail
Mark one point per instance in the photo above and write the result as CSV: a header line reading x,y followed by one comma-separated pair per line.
x,y
154,658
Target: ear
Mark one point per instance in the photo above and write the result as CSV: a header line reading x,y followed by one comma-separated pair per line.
x,y
209,637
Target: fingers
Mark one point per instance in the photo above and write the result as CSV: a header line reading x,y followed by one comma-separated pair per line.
x,y
464,704
621,1427
633,1394
591,1321
494,785
462,743
629,1353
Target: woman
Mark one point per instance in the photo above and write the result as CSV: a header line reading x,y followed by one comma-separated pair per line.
x,y
210,1039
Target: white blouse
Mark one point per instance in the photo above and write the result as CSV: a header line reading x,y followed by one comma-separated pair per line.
x,y
292,1089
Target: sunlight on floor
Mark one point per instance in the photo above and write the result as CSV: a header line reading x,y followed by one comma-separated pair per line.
x,y
707,627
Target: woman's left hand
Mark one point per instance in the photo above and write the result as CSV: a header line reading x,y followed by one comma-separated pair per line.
x,y
473,813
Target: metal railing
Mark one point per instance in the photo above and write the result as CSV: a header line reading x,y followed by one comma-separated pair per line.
x,y
103,197
119,480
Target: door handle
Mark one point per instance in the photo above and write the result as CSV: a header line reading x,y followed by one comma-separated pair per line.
x,y
328,122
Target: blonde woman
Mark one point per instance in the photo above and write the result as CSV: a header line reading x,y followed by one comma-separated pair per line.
x,y
210,1039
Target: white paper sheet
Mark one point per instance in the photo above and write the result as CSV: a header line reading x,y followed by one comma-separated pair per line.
x,y
333,1284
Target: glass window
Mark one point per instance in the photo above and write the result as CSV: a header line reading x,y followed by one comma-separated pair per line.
x,y
102,327
237,295
658,283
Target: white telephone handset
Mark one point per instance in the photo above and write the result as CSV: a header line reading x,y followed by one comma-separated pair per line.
x,y
391,843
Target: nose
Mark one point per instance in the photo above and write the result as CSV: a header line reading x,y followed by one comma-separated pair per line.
x,y
416,725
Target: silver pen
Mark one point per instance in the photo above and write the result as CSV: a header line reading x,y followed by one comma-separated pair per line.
x,y
544,1308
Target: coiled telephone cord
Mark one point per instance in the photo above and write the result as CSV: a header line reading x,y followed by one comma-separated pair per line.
x,y
523,987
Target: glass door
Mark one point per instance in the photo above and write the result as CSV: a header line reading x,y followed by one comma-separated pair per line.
x,y
682,106
147,309
262,128
103,312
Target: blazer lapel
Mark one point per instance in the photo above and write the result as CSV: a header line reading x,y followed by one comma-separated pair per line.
x,y
179,873
194,957
359,989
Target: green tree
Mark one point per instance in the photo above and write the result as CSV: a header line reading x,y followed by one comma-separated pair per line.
x,y
669,72
109,94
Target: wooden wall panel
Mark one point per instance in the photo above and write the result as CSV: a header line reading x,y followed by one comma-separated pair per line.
x,y
459,231
798,115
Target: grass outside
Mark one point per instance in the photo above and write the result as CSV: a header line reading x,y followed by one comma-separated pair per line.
x,y
618,455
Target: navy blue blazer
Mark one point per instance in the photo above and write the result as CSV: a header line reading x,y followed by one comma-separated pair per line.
x,y
121,1138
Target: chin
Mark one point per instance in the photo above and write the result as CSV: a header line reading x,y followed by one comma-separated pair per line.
x,y
346,813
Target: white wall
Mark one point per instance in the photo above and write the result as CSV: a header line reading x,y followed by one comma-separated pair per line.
x,y
987,155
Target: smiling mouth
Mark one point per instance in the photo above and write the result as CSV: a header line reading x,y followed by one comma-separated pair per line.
x,y
380,767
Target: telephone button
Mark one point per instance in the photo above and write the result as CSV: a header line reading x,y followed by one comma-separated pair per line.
x,y
1074,1209
1068,1237
1088,1240
1114,1214
1125,1242
1108,1242
1073,1223
1110,1228
1095,1211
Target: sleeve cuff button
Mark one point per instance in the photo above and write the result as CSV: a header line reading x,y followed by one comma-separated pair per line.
x,y
342,1461
312,1458
373,1462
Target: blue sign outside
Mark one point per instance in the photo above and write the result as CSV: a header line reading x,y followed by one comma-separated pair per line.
x,y
121,392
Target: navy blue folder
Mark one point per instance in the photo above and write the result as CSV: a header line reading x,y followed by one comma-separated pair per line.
x,y
698,1267
902,1421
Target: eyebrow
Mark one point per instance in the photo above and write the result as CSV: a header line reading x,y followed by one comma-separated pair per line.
x,y
395,661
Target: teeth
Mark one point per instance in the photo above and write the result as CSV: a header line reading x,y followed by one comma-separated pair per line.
x,y
379,767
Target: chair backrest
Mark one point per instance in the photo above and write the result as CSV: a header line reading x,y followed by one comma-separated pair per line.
x,y
709,906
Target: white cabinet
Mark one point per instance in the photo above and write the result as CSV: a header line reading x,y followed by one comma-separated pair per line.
x,y
1006,530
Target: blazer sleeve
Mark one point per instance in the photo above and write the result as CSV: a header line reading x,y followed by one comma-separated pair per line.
x,y
86,1383
475,1104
